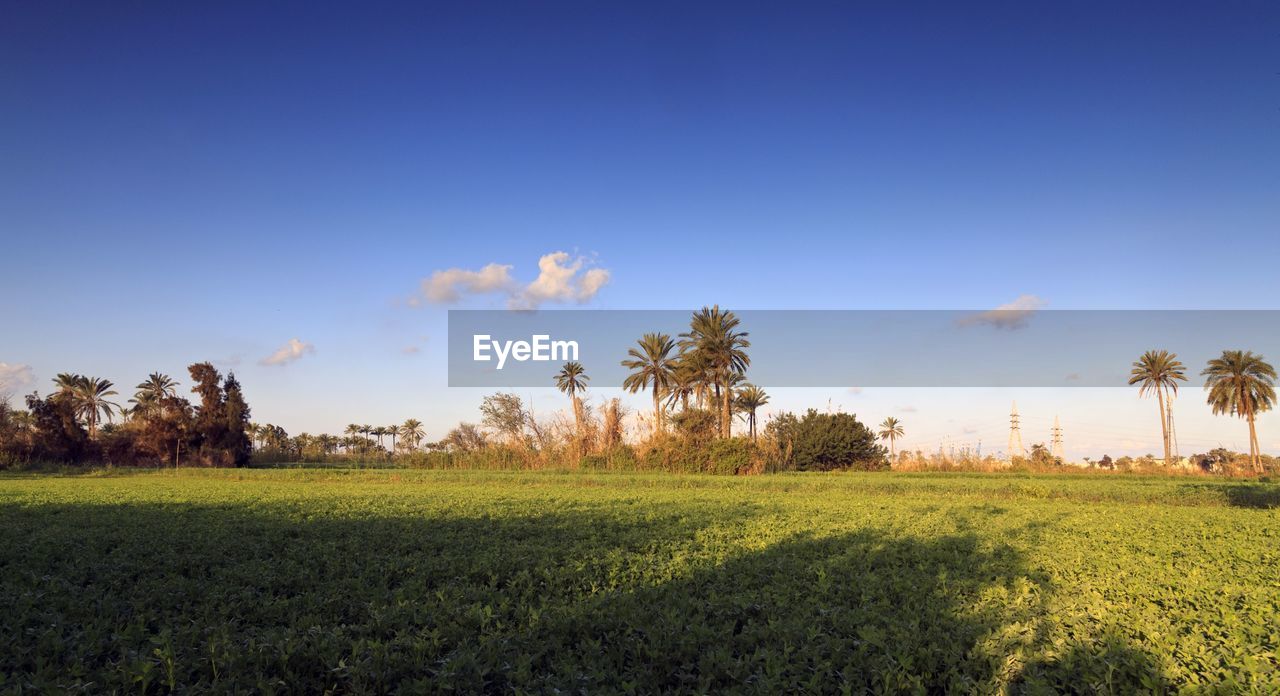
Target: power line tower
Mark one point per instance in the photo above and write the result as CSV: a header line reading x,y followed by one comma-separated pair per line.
x,y
1015,434
1056,448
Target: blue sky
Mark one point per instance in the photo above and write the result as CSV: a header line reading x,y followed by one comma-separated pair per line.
x,y
183,182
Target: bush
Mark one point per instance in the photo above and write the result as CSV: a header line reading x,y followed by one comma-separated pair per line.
x,y
827,441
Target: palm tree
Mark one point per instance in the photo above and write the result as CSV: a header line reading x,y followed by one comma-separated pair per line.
x,y
149,393
572,380
1159,371
714,338
891,430
749,399
379,432
91,401
367,430
684,381
1242,384
651,366
412,432
393,431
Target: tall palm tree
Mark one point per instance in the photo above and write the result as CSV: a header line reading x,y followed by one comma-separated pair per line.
x,y
749,399
651,367
714,338
367,430
1242,384
412,432
379,432
91,401
393,431
572,380
891,430
1159,371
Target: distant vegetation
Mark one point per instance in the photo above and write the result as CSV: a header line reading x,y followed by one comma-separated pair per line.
x,y
696,382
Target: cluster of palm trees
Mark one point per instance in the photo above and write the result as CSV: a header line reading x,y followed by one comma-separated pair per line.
x,y
359,438
1239,383
706,364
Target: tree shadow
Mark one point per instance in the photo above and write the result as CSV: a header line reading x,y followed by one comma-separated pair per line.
x,y
1258,496
635,597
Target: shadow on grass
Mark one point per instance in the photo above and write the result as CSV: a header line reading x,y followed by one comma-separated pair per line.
x,y
1259,496
289,597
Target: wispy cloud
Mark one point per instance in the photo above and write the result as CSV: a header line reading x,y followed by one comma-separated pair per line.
x,y
411,350
15,378
561,278
908,409
1010,316
855,390
289,352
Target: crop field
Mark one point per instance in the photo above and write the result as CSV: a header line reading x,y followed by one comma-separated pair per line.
x,y
310,581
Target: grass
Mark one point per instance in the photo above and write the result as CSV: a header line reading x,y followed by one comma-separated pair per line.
x,y
367,581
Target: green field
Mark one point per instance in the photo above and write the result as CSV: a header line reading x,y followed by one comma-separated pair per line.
x,y
375,581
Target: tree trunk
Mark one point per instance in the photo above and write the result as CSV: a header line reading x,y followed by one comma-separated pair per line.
x,y
1164,427
1254,459
725,414
657,412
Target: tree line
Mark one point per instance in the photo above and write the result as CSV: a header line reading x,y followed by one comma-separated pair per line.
x,y
80,422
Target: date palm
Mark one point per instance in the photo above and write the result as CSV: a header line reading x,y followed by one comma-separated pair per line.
x,y
652,367
379,432
1158,372
572,380
1241,383
393,431
749,399
412,432
155,388
90,397
713,337
891,430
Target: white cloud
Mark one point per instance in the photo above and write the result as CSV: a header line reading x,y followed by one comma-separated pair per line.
x,y
908,409
449,285
15,378
411,350
1011,316
289,352
561,278
855,390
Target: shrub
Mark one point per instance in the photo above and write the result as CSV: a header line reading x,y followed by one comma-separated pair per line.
x,y
827,441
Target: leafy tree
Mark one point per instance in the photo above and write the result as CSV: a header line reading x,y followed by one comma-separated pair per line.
x,y
827,441
57,435
891,430
211,422
1159,371
1242,384
651,368
235,435
464,438
504,413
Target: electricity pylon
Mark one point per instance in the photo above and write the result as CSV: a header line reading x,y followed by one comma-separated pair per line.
x,y
1056,442
1015,434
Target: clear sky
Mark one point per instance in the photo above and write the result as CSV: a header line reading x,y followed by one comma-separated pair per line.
x,y
183,181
